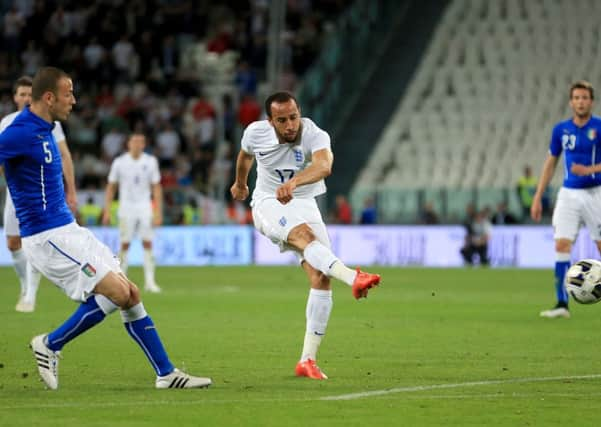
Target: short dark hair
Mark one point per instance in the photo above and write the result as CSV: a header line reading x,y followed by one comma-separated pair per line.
x,y
22,81
582,84
136,133
278,97
46,80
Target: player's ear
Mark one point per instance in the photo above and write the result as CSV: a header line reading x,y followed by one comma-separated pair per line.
x,y
49,97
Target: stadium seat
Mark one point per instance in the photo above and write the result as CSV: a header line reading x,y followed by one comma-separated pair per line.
x,y
482,102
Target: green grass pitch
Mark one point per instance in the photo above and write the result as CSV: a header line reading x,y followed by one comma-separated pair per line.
x,y
436,347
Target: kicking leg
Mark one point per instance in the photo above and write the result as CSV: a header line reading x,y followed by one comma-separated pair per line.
x,y
321,258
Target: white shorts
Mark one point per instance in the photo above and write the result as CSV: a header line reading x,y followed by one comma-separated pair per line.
x,y
275,220
136,225
11,223
72,258
575,207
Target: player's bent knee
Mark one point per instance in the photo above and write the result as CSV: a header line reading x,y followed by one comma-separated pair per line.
x,y
134,295
563,245
301,235
114,288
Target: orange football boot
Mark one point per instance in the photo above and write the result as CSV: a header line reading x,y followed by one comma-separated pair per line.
x,y
363,282
308,368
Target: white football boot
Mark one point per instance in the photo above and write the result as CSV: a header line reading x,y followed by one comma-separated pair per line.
x,y
152,288
47,361
24,307
557,312
179,379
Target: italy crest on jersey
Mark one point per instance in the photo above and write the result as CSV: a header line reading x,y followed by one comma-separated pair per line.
x,y
592,134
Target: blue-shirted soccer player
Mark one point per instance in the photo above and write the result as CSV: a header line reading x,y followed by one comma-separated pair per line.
x,y
579,199
67,254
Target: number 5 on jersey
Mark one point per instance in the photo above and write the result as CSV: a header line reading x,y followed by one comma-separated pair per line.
x,y
47,152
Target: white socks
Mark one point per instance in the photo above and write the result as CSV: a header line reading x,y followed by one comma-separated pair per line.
x,y
148,267
123,260
134,313
319,307
106,305
322,259
20,264
33,283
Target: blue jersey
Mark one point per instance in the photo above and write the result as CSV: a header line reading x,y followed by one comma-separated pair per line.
x,y
34,174
581,145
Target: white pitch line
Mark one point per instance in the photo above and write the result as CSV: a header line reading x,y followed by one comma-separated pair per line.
x,y
361,395
207,400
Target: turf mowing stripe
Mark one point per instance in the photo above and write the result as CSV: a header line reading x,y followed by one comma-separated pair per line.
x,y
361,395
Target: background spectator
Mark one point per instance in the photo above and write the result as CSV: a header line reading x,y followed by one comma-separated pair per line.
x,y
369,214
502,217
343,213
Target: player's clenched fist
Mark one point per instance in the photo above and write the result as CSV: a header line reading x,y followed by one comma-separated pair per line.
x,y
284,192
239,192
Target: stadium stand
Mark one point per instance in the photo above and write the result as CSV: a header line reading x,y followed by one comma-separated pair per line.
x,y
482,103
161,67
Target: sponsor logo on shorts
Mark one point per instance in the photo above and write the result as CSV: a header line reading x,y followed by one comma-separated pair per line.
x,y
88,270
283,221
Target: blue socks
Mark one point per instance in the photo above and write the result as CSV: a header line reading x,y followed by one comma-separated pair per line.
x,y
141,328
90,313
561,267
137,323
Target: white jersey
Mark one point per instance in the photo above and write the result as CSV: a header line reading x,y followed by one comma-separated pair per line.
x,y
57,132
277,163
135,178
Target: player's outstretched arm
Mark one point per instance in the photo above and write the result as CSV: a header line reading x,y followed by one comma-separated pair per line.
x,y
536,210
239,188
68,175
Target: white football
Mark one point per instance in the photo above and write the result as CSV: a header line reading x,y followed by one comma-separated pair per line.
x,y
583,281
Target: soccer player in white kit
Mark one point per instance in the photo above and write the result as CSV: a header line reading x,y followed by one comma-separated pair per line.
x,y
579,198
136,173
29,278
293,157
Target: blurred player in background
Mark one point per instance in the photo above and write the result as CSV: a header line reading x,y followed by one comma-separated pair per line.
x,y
293,158
29,278
579,199
136,173
67,254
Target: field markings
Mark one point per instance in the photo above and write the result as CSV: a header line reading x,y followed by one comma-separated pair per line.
x,y
372,393
341,397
